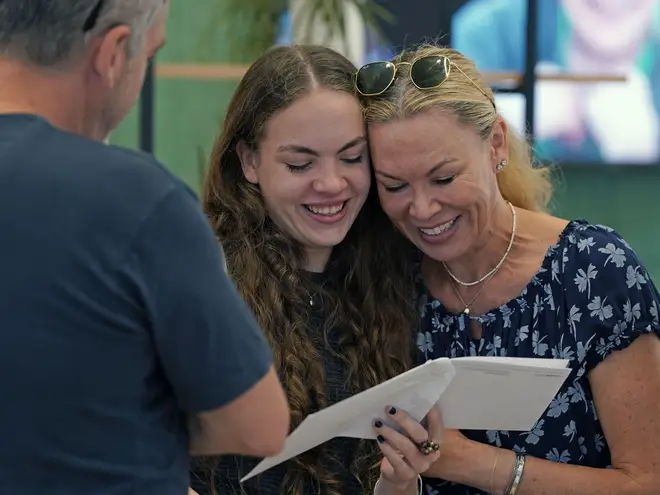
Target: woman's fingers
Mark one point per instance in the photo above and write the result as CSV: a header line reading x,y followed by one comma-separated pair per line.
x,y
409,426
406,447
396,470
436,427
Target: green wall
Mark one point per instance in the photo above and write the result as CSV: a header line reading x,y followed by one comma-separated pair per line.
x,y
188,115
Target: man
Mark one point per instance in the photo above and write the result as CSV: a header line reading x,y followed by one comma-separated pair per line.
x,y
118,324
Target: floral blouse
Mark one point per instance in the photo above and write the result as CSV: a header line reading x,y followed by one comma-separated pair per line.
x,y
591,297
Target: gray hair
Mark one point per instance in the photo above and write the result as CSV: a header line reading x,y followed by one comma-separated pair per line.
x,y
49,33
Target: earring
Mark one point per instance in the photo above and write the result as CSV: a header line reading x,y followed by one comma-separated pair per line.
x,y
500,166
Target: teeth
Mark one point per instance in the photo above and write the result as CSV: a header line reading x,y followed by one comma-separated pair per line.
x,y
439,229
326,210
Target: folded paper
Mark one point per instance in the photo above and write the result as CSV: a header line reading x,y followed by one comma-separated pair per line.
x,y
473,393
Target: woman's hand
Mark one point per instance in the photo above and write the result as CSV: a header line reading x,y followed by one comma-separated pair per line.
x,y
403,457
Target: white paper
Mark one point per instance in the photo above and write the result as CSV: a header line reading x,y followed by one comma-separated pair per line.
x,y
485,393
490,393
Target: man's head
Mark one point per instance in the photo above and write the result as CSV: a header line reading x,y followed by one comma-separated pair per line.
x,y
90,56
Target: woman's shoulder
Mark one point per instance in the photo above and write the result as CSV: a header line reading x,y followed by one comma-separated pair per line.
x,y
584,245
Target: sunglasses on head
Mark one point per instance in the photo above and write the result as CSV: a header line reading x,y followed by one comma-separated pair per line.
x,y
427,72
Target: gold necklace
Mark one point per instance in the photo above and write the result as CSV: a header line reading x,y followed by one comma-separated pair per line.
x,y
466,310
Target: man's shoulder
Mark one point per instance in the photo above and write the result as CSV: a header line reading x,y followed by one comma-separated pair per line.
x,y
102,188
92,172
93,160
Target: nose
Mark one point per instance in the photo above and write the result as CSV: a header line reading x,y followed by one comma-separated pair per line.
x,y
424,207
331,180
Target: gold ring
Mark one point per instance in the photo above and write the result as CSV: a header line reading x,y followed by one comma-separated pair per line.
x,y
428,447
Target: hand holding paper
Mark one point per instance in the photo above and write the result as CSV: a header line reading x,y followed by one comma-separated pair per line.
x,y
465,388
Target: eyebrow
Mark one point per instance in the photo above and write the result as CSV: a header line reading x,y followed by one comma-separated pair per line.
x,y
310,151
433,170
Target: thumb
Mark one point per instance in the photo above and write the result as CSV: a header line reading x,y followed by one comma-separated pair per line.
x,y
436,427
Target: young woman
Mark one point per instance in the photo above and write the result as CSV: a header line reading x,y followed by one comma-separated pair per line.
x,y
289,195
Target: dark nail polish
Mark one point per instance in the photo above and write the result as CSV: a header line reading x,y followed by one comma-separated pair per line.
x,y
378,423
392,411
381,439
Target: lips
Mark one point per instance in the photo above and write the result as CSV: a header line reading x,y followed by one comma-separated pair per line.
x,y
438,229
326,210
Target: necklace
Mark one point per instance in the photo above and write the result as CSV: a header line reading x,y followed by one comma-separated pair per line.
x,y
466,310
316,296
497,267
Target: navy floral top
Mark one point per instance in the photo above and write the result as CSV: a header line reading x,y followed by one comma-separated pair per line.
x,y
590,298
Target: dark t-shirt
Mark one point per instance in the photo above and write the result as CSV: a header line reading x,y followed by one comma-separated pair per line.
x,y
116,318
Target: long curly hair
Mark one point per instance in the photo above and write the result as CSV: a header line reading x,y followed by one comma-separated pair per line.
x,y
371,293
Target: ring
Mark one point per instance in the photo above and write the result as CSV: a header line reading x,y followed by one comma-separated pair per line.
x,y
428,447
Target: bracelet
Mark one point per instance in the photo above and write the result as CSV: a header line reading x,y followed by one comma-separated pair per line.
x,y
492,472
516,477
420,485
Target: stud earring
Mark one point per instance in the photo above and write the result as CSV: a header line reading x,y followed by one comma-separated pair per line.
x,y
500,166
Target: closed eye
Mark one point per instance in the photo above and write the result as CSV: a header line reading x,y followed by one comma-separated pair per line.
x,y
298,168
394,189
444,180
353,160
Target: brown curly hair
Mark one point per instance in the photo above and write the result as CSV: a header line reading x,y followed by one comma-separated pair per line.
x,y
371,293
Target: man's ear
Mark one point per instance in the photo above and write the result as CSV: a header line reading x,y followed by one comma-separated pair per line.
x,y
111,55
248,158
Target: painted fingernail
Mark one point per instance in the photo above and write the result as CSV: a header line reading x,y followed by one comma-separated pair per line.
x,y
381,439
378,423
392,410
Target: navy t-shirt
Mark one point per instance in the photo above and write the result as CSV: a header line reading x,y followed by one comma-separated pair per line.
x,y
116,318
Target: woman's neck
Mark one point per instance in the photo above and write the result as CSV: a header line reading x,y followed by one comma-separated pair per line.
x,y
316,259
489,248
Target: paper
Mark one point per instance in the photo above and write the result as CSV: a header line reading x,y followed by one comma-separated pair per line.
x,y
485,393
414,391
501,393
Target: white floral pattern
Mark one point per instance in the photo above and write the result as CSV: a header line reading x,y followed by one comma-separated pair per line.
x,y
590,298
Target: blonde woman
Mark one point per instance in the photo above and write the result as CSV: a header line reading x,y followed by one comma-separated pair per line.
x,y
499,276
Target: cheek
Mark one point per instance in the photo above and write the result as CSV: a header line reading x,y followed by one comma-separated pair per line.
x,y
393,205
360,179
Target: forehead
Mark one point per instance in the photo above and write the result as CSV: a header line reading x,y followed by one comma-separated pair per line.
x,y
421,141
319,119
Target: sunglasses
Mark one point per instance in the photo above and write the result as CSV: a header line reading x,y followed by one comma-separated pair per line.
x,y
428,72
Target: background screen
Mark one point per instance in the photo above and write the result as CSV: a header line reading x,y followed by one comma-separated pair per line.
x,y
607,122
576,123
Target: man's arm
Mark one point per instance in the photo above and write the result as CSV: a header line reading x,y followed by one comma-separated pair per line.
x,y
209,429
211,348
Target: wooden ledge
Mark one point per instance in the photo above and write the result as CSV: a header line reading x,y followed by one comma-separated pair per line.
x,y
230,72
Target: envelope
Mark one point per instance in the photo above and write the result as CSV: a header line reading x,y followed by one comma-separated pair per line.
x,y
485,393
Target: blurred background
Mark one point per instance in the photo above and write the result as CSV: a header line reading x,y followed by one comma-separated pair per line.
x,y
582,77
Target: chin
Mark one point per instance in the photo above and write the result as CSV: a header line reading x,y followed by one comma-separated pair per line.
x,y
445,252
328,242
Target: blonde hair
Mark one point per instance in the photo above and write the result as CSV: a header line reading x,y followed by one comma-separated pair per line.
x,y
520,182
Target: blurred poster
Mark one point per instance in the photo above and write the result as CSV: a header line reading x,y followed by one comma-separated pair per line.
x,y
610,123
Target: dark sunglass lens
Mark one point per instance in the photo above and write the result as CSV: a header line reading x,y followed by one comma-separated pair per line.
x,y
428,72
374,78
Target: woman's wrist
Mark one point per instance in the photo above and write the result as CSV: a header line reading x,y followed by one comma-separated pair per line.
x,y
384,487
478,465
